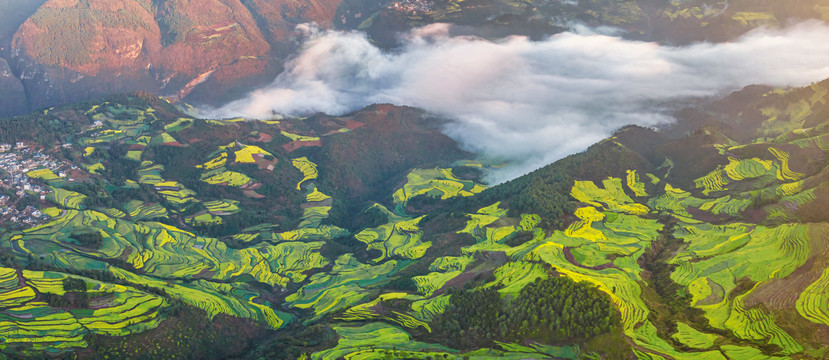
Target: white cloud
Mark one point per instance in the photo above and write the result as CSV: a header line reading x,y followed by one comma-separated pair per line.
x,y
527,102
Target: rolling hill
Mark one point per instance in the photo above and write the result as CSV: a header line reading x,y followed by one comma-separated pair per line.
x,y
131,229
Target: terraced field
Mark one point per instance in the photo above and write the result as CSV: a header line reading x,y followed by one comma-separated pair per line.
x,y
175,193
43,174
297,137
28,324
144,211
222,207
379,340
514,276
65,198
678,202
693,338
308,169
709,260
719,254
221,176
813,302
612,197
401,237
342,287
150,173
440,183
365,312
246,153
166,252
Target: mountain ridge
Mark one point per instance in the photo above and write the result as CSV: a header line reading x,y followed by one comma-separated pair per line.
x,y
64,52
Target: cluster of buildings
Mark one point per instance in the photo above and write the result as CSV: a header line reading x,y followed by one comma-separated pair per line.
x,y
29,215
15,161
412,6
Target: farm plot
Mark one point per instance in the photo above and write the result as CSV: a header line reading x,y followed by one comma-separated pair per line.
x,y
379,340
308,169
342,287
222,176
400,237
440,183
65,198
612,197
222,207
722,254
113,310
175,193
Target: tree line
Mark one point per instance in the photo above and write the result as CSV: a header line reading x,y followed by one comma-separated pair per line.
x,y
556,310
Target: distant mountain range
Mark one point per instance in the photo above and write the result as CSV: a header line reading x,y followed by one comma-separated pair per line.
x,y
56,52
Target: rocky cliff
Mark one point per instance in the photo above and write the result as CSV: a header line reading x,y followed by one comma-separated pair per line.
x,y
74,50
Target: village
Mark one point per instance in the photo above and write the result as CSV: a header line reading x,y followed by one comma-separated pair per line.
x,y
412,7
15,186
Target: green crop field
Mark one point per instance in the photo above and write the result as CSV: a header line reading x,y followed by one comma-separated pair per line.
x,y
206,296
401,237
203,220
434,281
440,183
144,211
305,234
813,303
221,176
364,312
487,238
634,184
341,287
150,173
179,125
612,197
308,169
693,338
312,217
246,153
65,198
163,138
42,174
379,340
118,311
222,207
514,276
738,170
297,137
175,193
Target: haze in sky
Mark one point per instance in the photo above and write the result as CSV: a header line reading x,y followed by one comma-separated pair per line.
x,y
531,103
